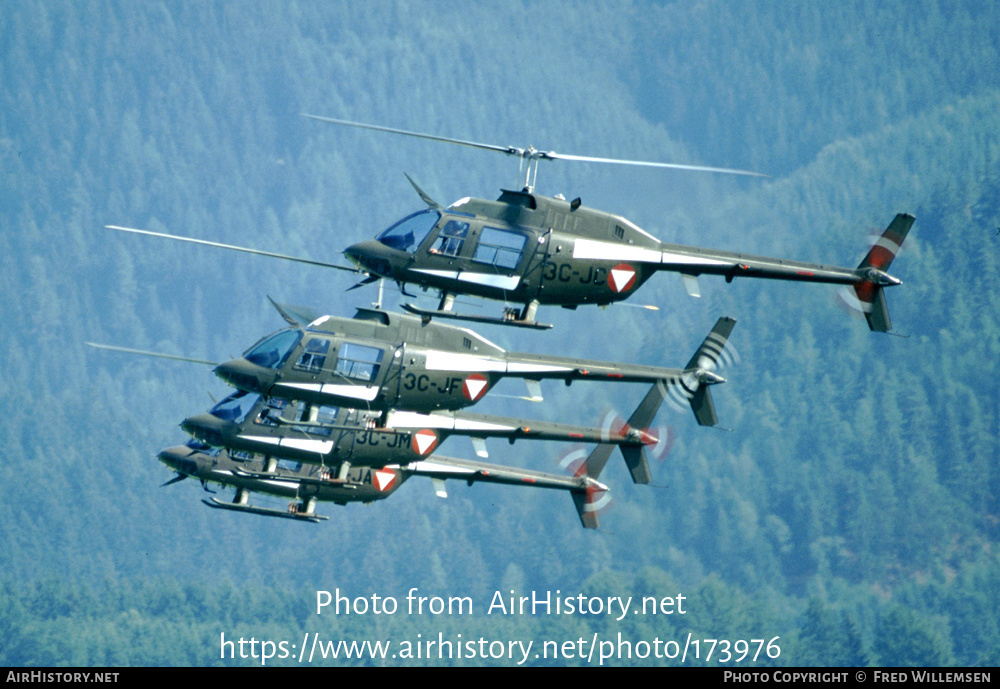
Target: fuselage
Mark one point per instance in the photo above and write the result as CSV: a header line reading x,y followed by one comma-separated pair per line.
x,y
286,479
379,361
526,248
519,249
330,436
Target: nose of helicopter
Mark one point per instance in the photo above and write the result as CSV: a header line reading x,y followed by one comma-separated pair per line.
x,y
207,428
372,256
180,459
246,375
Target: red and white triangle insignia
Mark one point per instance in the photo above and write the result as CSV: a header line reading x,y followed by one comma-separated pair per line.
x,y
424,441
621,278
383,479
474,387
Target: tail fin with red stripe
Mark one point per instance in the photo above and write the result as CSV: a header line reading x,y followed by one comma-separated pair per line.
x,y
870,298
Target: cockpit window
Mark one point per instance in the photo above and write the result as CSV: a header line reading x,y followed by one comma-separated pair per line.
x,y
272,352
359,362
235,407
203,448
407,234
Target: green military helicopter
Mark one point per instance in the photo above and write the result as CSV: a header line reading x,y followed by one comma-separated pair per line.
x,y
384,361
531,250
345,437
307,484
381,361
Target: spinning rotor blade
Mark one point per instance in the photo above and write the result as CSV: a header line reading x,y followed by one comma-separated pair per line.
x,y
159,355
233,247
530,153
613,422
423,195
500,149
296,316
367,281
551,155
179,477
594,500
593,503
692,386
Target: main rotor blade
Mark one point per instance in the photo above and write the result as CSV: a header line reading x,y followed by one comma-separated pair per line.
x,y
232,247
501,149
551,155
531,153
158,355
426,199
176,479
295,316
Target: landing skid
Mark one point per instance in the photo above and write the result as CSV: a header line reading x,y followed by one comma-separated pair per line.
x,y
509,318
266,511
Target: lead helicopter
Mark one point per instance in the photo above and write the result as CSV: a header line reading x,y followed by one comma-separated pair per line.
x,y
307,484
531,250
345,438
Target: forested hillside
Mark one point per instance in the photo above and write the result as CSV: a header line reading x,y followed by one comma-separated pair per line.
x,y
852,506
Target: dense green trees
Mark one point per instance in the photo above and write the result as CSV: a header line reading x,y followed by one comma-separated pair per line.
x,y
857,492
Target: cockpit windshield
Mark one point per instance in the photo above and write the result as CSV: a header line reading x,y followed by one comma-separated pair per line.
x,y
272,352
407,234
235,407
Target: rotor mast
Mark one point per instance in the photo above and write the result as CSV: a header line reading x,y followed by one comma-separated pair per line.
x,y
528,165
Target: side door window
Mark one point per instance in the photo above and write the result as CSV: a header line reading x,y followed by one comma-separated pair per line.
x,y
270,409
316,419
359,362
313,356
500,248
451,238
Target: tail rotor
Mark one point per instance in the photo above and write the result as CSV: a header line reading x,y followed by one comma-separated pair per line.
x,y
866,296
691,388
661,435
591,498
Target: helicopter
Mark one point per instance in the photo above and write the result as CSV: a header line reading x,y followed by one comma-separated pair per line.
x,y
531,250
307,484
390,361
384,361
344,437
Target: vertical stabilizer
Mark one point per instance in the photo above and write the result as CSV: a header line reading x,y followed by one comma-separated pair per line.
x,y
870,298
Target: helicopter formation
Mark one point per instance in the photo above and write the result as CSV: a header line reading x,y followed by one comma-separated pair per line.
x,y
347,409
